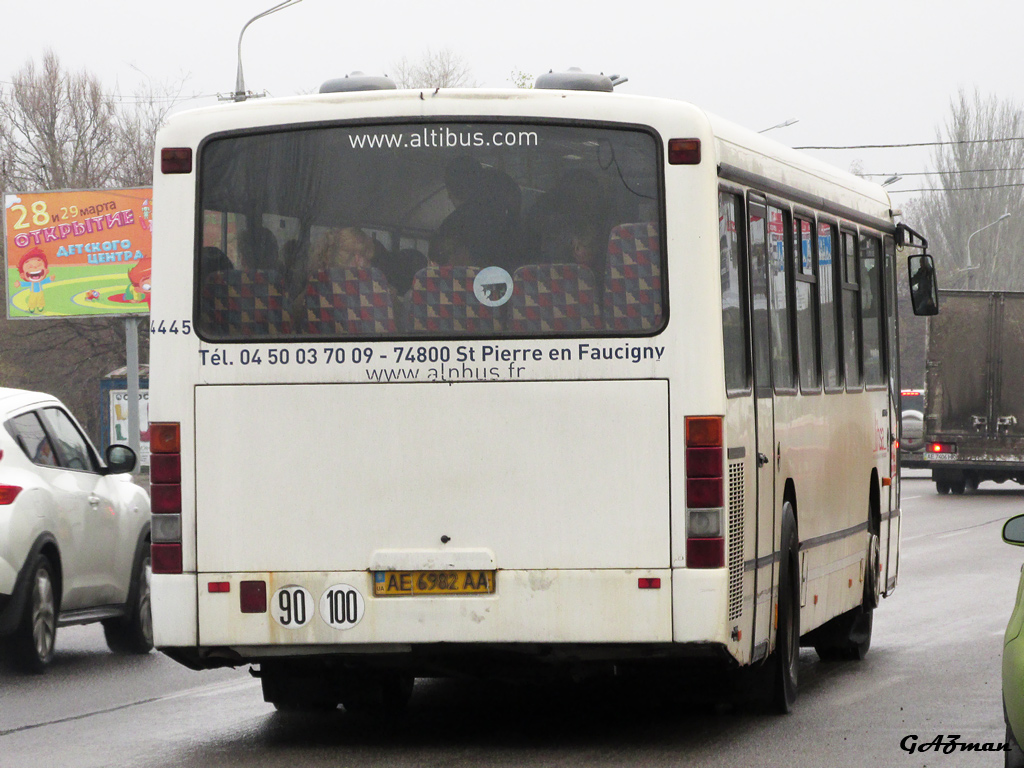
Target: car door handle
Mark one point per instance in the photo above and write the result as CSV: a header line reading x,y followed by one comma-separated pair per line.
x,y
94,500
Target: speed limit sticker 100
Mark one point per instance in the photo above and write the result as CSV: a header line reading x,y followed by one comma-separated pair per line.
x,y
341,606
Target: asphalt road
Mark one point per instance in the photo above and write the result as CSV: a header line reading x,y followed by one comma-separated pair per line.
x,y
933,669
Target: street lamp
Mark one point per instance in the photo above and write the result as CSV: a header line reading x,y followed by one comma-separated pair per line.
x,y
781,125
239,94
970,266
892,180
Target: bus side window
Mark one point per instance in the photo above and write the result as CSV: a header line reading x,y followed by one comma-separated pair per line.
x,y
851,313
872,329
805,297
832,371
734,295
778,291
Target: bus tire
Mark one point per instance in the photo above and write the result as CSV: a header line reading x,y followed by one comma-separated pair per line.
x,y
378,693
942,487
785,661
290,691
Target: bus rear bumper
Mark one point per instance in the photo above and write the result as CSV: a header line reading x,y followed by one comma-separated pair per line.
x,y
598,615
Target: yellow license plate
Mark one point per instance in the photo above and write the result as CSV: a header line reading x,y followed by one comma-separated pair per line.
x,y
413,583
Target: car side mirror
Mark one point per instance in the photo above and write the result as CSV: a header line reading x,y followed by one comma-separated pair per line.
x,y
1013,531
924,288
120,459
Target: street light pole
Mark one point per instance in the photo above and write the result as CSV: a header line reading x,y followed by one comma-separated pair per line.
x,y
781,125
239,94
970,266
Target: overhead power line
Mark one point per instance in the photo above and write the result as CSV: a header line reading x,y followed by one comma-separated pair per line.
x,y
954,189
944,173
915,144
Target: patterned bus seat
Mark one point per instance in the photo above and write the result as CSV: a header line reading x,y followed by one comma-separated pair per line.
x,y
554,298
632,282
244,303
348,301
442,300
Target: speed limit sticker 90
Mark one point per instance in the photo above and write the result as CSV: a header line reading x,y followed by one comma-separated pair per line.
x,y
292,607
341,606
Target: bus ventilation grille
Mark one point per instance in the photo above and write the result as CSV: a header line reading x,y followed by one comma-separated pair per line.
x,y
735,540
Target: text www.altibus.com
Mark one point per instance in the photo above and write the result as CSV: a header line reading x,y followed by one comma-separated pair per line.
x,y
443,138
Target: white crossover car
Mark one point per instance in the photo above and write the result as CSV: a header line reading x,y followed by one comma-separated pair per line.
x,y
74,534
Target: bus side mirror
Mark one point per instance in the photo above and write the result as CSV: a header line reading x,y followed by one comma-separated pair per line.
x,y
924,289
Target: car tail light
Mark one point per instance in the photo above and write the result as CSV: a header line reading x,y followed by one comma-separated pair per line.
x,y
941,447
165,493
705,492
8,493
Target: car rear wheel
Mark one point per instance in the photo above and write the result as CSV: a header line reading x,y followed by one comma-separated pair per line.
x,y
1014,755
32,644
134,632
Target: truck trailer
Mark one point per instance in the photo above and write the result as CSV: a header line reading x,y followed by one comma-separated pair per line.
x,y
974,390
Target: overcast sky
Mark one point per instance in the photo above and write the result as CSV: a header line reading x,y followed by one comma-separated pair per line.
x,y
865,72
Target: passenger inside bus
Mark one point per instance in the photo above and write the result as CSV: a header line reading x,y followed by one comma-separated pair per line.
x,y
483,230
569,224
212,259
258,248
345,248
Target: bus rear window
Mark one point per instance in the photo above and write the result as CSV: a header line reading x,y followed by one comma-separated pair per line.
x,y
441,230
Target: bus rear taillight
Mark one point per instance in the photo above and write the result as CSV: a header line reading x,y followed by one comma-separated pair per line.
x,y
941,447
175,160
705,492
165,492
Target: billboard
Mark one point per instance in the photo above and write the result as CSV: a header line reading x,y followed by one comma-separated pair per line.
x,y
79,253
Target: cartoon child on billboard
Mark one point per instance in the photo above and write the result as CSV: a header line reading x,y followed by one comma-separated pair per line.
x,y
141,277
35,273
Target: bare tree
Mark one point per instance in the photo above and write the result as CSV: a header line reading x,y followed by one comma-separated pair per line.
x,y
63,130
443,69
136,132
979,176
57,129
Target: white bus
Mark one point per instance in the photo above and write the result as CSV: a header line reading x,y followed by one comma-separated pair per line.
x,y
478,381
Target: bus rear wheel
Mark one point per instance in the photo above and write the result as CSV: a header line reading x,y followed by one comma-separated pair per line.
x,y
376,693
783,664
299,690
